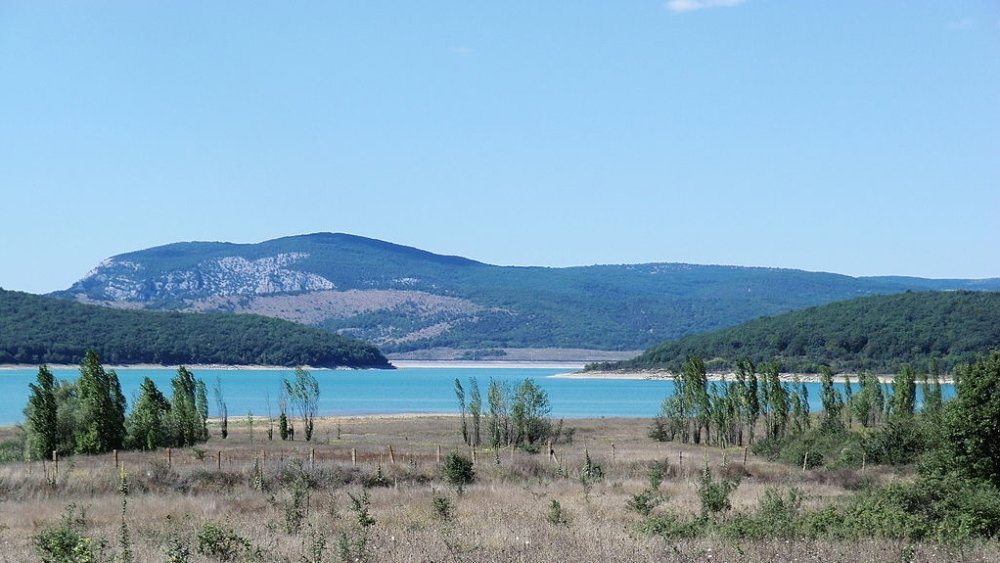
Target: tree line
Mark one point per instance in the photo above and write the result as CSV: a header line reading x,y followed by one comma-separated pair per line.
x,y
42,330
88,415
513,416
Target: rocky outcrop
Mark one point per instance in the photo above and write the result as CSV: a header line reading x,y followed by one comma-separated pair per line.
x,y
124,280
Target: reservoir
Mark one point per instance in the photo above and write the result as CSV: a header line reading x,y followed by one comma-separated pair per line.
x,y
404,390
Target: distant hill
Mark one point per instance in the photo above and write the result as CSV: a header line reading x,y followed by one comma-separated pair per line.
x,y
37,330
405,300
875,333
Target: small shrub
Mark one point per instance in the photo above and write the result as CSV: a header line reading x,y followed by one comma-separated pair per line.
x,y
442,508
643,503
591,472
176,550
216,540
671,527
714,495
458,471
556,515
655,475
378,479
66,542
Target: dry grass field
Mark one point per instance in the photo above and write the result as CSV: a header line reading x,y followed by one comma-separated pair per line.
x,y
504,515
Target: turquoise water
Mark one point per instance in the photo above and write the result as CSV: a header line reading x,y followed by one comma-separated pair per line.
x,y
405,390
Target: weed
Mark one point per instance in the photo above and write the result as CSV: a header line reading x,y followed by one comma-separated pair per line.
x,y
714,495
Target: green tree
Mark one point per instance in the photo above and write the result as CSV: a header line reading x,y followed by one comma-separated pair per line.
x,y
201,405
832,403
904,393
102,408
185,421
148,422
41,415
475,410
497,397
460,395
220,403
971,429
303,391
530,411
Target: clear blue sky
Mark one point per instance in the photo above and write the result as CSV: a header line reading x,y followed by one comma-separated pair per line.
x,y
860,137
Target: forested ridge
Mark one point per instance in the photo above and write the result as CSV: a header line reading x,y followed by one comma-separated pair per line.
x,y
37,330
874,333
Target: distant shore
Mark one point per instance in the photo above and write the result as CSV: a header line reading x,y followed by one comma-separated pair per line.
x,y
192,367
478,364
666,375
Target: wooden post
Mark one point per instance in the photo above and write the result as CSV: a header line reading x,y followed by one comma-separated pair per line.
x,y
169,460
612,453
354,457
805,461
115,452
863,460
218,460
439,454
474,460
55,461
680,459
392,456
312,458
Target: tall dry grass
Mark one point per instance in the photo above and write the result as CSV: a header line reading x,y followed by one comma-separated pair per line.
x,y
502,516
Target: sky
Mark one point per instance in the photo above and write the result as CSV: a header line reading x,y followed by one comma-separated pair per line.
x,y
858,137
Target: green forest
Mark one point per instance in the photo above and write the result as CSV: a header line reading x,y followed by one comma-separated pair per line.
x,y
43,330
875,333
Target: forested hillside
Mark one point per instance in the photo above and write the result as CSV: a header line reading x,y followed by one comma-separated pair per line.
x,y
406,299
37,330
875,333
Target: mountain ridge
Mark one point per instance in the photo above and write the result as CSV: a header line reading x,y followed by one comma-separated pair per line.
x,y
403,298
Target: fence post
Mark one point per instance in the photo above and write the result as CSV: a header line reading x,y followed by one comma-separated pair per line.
x,y
613,453
169,458
354,457
805,461
115,452
392,456
439,453
55,460
312,458
218,460
474,460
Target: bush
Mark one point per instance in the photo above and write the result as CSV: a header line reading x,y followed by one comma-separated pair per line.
x,y
66,542
442,508
222,543
556,514
643,503
714,495
458,471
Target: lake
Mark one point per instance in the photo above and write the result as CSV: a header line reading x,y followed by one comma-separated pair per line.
x,y
404,390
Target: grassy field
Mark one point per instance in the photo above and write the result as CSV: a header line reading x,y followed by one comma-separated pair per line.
x,y
249,485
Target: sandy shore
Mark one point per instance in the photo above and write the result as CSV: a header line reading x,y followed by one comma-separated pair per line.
x,y
477,364
665,375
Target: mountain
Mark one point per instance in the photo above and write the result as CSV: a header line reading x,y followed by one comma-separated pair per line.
x,y
405,299
36,330
875,333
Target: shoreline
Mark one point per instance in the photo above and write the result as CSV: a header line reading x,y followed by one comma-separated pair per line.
x,y
667,376
417,364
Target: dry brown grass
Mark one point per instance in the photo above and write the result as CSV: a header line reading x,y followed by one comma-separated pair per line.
x,y
500,517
